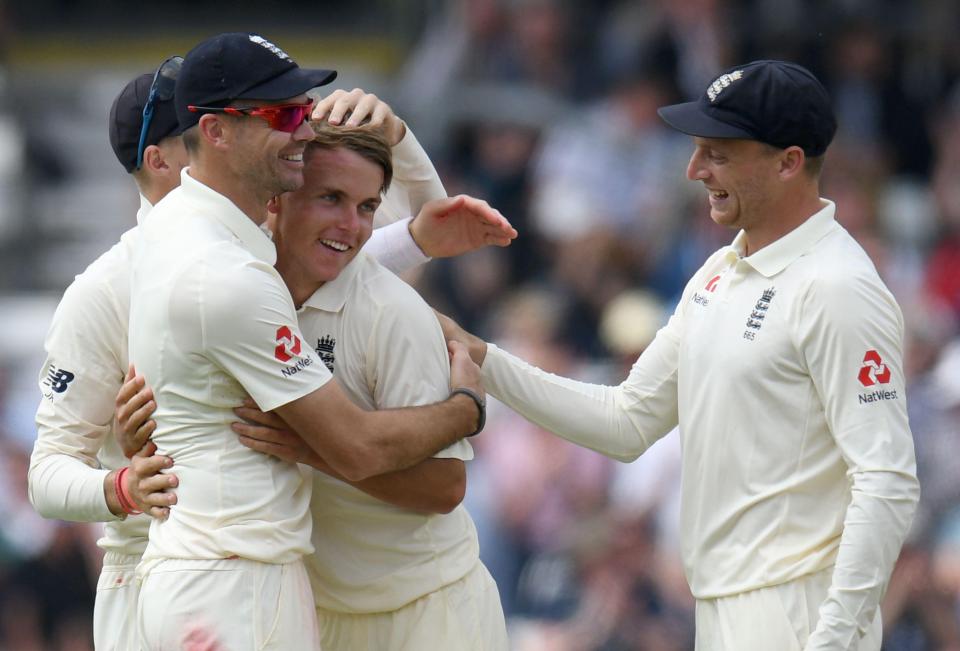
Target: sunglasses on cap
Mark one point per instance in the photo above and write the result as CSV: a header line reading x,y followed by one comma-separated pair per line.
x,y
280,117
161,90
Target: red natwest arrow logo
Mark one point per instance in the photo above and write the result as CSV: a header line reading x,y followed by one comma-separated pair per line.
x,y
288,344
873,371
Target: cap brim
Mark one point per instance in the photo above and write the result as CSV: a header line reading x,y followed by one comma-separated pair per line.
x,y
690,119
290,83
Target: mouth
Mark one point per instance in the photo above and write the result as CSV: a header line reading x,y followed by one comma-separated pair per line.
x,y
292,158
340,247
718,195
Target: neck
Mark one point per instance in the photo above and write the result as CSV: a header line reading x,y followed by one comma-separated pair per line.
x,y
245,197
797,211
298,283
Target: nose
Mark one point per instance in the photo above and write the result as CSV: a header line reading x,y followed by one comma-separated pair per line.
x,y
695,168
303,132
349,220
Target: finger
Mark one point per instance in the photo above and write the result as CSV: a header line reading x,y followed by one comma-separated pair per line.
x,y
149,450
268,434
363,110
267,419
343,105
159,513
158,499
131,373
274,450
142,436
129,388
126,409
139,410
324,105
381,113
158,484
144,467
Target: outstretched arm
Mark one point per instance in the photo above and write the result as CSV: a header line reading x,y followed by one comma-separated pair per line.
x,y
618,421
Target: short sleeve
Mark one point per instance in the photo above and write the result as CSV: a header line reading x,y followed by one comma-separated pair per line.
x,y
247,326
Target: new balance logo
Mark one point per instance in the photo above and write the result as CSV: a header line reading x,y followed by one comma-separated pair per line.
x,y
58,379
288,344
873,371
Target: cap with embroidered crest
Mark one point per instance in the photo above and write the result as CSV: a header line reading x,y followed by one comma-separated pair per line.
x,y
776,102
240,65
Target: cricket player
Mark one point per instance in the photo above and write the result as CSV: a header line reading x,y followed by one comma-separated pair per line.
x,y
782,365
396,563
210,322
76,461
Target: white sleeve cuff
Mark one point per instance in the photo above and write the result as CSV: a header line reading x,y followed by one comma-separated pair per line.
x,y
394,247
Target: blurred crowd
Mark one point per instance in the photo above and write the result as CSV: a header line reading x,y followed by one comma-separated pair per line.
x,y
547,109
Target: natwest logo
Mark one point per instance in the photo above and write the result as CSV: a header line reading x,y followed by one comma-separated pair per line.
x,y
873,371
712,284
288,344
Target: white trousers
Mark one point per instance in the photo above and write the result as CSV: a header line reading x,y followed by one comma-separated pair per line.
x,y
226,605
115,607
463,616
778,618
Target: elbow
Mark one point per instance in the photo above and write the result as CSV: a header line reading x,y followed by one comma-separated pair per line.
x,y
451,497
360,462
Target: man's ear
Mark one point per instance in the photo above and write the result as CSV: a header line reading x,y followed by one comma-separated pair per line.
x,y
791,162
153,160
213,129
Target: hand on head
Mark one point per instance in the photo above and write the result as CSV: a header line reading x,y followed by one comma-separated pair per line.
x,y
358,108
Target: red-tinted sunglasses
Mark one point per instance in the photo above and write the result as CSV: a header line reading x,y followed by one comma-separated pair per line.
x,y
281,117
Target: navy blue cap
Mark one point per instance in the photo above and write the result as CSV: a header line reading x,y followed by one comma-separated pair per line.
x,y
240,65
126,120
776,102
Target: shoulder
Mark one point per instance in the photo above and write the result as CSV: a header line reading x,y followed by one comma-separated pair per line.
x,y
839,281
384,290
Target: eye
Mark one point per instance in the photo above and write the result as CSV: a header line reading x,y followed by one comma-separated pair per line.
x,y
370,206
716,156
329,197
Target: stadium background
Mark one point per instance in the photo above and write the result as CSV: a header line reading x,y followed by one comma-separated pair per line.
x,y
547,109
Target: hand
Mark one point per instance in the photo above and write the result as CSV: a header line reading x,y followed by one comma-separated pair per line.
x,y
360,108
463,371
150,489
266,432
134,405
452,331
449,227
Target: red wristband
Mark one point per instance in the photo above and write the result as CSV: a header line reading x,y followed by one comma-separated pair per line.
x,y
120,486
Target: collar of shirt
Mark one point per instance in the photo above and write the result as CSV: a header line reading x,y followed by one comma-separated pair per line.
x,y
145,208
210,202
778,255
333,295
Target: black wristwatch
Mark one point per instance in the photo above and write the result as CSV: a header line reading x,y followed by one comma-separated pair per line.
x,y
481,406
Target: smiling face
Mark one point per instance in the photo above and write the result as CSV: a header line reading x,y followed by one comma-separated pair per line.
x,y
741,178
269,159
320,227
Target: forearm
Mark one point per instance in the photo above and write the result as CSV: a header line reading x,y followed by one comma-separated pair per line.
x,y
414,171
66,488
359,444
397,439
393,246
594,416
875,526
431,486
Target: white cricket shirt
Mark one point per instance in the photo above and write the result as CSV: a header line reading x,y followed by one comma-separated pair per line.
x,y
385,347
86,362
211,321
784,372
